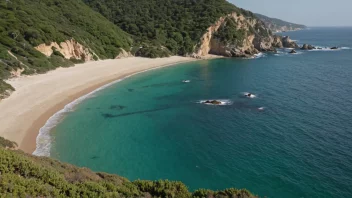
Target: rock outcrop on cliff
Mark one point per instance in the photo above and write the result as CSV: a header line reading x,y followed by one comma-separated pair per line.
x,y
70,49
235,35
277,41
123,54
288,43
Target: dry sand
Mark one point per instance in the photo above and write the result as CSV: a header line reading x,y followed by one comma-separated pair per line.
x,y
39,97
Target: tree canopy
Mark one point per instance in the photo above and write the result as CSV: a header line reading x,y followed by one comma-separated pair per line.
x,y
175,24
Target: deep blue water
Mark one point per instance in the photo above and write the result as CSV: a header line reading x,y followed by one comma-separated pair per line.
x,y
150,126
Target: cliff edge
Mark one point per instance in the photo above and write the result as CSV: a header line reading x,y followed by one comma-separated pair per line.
x,y
236,35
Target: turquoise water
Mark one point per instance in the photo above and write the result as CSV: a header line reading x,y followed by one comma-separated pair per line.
x,y
150,126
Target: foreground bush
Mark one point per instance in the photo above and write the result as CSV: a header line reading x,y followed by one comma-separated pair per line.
x,y
23,175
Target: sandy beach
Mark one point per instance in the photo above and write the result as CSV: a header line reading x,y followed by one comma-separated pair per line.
x,y
39,97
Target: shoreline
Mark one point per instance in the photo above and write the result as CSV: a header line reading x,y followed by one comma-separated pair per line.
x,y
28,109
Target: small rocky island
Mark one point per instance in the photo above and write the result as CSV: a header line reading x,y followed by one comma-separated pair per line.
x,y
212,102
308,47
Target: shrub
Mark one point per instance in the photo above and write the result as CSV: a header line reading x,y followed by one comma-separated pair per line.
x,y
24,175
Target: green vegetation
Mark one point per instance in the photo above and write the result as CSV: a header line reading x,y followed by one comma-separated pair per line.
x,y
24,175
277,24
155,28
228,33
175,24
4,143
25,24
5,89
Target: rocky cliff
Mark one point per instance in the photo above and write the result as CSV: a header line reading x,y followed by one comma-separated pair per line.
x,y
70,49
235,35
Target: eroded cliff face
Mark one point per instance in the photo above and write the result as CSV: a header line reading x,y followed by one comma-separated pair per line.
x,y
211,44
250,36
70,49
123,54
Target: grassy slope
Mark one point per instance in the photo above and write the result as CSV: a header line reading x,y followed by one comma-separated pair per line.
x,y
175,24
25,24
24,175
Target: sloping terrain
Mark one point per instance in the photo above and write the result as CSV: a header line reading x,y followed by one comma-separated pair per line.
x,y
24,175
278,25
164,27
26,24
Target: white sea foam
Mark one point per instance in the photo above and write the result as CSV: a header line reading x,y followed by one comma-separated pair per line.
x,y
297,53
246,95
329,48
44,139
223,102
259,55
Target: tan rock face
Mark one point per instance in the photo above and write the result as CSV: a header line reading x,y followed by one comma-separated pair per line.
x,y
124,54
17,72
249,46
70,49
205,46
277,41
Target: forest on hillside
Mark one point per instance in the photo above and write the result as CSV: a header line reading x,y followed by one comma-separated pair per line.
x,y
155,28
159,26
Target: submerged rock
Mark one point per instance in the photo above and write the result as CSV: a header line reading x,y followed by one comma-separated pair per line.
x,y
214,102
293,52
334,48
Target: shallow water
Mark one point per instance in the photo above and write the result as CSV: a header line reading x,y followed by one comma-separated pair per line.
x,y
293,140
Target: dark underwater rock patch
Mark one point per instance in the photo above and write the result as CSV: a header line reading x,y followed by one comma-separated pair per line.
x,y
117,107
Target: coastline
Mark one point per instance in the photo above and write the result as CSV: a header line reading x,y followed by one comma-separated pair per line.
x,y
37,98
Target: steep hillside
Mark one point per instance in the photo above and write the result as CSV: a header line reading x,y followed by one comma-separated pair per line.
x,y
277,25
236,35
193,28
164,27
23,175
60,29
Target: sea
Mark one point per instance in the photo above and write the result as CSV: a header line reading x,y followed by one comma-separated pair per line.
x,y
291,139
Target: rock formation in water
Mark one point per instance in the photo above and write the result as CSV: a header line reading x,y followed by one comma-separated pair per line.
x,y
308,47
213,102
288,43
